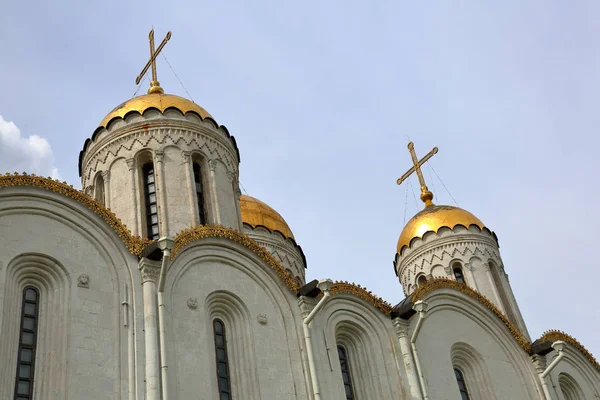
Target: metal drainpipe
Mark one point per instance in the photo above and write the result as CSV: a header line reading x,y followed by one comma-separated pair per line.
x,y
559,346
166,244
324,286
420,307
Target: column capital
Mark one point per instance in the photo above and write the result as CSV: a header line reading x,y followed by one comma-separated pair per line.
x,y
130,163
186,156
212,164
306,305
401,327
230,176
448,271
539,362
149,270
105,175
159,155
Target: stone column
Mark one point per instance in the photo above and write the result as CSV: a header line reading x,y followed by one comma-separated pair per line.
x,y
135,229
471,272
212,164
150,271
488,272
191,187
404,341
161,192
106,178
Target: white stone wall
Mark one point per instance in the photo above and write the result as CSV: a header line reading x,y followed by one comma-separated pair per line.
x,y
284,250
475,251
583,377
216,278
171,141
52,242
455,321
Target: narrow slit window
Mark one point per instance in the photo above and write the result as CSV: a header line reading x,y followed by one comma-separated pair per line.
x,y
458,274
343,355
222,363
27,344
462,386
199,193
150,200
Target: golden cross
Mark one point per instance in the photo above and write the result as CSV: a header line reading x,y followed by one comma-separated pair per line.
x,y
426,195
154,84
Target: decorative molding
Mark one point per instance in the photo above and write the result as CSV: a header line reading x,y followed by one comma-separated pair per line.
x,y
149,272
401,328
262,319
448,271
134,244
159,155
135,138
83,281
554,335
363,293
130,163
306,304
192,303
539,363
105,176
230,176
186,156
212,164
443,283
190,235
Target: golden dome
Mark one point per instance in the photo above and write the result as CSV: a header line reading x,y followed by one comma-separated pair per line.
x,y
432,218
156,100
256,213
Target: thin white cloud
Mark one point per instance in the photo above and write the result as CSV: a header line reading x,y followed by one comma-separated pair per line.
x,y
31,154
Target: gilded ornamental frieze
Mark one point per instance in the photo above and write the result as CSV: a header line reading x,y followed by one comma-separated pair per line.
x,y
134,244
554,335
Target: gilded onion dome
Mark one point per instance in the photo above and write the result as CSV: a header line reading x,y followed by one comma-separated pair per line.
x,y
157,100
256,213
434,217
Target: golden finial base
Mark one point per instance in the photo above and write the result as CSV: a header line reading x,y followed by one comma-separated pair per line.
x,y
155,88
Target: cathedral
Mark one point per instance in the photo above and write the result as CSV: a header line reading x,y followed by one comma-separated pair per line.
x,y
160,280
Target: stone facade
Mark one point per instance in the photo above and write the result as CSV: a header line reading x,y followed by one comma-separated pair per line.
x,y
121,322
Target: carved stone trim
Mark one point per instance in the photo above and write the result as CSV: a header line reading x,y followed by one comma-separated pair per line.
x,y
130,163
149,271
134,244
83,281
230,176
186,156
159,155
212,164
192,303
306,304
554,335
262,319
105,176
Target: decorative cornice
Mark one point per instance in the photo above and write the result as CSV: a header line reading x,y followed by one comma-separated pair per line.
x,y
442,283
554,335
190,235
134,244
363,293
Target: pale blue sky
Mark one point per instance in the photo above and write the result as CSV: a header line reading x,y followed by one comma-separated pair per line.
x,y
322,96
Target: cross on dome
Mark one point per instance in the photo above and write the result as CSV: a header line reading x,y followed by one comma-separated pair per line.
x,y
426,195
154,84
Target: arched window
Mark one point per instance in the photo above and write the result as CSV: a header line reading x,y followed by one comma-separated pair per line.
x,y
421,280
27,344
462,386
223,377
569,387
150,200
99,189
458,274
343,355
199,193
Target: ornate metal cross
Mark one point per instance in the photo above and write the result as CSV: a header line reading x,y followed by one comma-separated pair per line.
x,y
426,195
154,84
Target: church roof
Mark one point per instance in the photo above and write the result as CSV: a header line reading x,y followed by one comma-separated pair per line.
x,y
256,213
432,218
158,101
